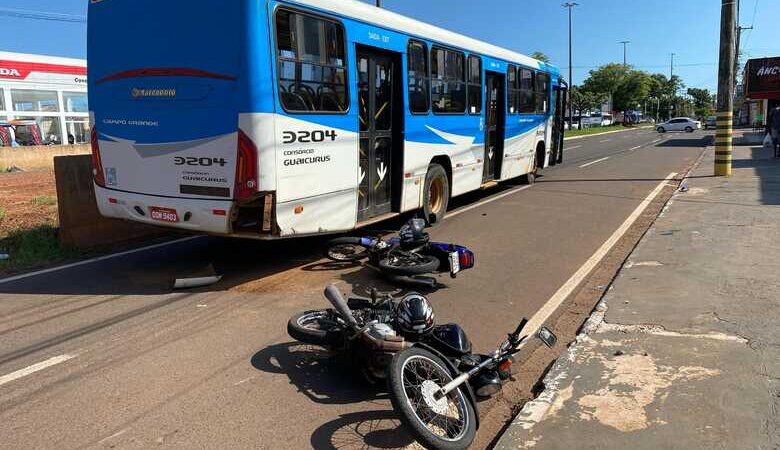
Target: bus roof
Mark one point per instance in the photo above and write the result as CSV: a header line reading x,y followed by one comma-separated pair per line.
x,y
365,12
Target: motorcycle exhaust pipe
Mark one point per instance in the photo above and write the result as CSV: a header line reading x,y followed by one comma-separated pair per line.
x,y
337,300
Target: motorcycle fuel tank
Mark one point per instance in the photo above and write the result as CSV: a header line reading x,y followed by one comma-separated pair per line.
x,y
453,338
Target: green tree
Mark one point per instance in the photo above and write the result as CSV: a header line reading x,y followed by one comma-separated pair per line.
x,y
606,79
703,101
541,57
583,100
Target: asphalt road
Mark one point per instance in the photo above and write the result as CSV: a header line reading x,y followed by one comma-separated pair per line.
x,y
105,355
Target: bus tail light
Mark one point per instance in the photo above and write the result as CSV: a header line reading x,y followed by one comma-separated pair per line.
x,y
97,164
246,168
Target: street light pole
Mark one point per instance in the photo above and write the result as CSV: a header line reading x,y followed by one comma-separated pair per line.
x,y
378,3
625,59
723,136
570,6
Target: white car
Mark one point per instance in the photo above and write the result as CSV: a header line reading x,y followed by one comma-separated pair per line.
x,y
679,124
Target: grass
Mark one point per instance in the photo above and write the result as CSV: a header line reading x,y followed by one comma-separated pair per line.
x,y
32,247
43,200
37,158
2,214
593,130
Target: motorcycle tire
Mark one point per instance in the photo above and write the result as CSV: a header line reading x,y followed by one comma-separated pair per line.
x,y
412,376
346,249
315,328
403,264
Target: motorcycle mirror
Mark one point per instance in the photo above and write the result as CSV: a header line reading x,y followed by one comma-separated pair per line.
x,y
337,300
547,337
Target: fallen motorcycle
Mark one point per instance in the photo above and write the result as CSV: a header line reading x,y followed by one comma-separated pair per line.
x,y
406,257
434,391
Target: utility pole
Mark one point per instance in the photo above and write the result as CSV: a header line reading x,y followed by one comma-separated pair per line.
x,y
671,71
378,3
736,56
723,137
674,94
570,6
625,59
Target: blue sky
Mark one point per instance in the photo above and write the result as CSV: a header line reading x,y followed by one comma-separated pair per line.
x,y
655,28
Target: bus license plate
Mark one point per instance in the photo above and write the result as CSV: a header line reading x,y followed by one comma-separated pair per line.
x,y
454,262
164,214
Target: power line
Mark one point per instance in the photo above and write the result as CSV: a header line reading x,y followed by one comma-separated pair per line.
x,y
39,15
652,66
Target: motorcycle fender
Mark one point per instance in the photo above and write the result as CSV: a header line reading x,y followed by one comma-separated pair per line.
x,y
470,396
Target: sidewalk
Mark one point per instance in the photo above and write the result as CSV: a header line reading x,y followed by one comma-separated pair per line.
x,y
684,351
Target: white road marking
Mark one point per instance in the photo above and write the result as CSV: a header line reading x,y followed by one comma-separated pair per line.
x,y
94,260
594,162
634,148
657,140
605,140
35,368
485,202
572,147
549,308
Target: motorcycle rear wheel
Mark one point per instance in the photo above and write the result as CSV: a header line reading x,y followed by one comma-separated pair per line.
x,y
409,263
446,424
318,327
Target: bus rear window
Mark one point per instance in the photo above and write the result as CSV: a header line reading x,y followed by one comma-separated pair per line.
x,y
312,68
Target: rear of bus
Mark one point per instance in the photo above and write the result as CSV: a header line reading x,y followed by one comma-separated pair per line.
x,y
165,88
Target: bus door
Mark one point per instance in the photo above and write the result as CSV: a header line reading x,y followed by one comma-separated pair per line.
x,y
378,109
559,113
494,125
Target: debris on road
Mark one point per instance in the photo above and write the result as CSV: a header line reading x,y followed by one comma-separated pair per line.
x,y
206,277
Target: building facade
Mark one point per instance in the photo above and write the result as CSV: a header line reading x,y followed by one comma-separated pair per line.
x,y
50,91
762,90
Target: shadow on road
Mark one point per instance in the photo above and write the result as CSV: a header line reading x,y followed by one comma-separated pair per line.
x,y
325,378
362,430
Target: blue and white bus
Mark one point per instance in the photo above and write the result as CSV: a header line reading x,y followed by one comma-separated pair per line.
x,y
268,119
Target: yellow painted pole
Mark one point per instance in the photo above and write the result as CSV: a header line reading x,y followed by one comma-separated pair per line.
x,y
723,141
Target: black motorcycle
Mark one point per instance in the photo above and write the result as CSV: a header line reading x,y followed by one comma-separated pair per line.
x,y
406,257
433,388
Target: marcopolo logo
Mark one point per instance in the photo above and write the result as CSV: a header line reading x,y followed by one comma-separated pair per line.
x,y
767,71
153,93
5,72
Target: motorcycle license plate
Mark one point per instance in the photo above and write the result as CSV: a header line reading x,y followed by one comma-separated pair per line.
x,y
454,262
164,214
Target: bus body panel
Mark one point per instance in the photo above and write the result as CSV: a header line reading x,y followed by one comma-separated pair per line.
x,y
163,93
314,184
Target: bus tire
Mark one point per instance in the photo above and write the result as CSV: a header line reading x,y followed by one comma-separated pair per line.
x,y
436,194
530,177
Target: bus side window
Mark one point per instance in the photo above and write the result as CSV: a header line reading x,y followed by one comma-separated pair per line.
x,y
312,63
419,81
514,93
527,97
475,84
542,93
448,71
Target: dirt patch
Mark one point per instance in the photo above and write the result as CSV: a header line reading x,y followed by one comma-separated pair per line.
x,y
27,200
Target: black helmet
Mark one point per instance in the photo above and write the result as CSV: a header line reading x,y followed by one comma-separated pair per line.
x,y
413,233
415,315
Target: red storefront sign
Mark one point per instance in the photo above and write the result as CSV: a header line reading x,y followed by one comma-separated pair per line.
x,y
762,78
16,70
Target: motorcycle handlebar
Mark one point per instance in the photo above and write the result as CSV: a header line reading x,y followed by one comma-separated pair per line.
x,y
519,329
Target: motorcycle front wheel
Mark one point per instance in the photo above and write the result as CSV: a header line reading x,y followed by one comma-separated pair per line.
x,y
346,249
448,423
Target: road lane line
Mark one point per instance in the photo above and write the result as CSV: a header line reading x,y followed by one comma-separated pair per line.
x,y
94,260
485,202
634,148
35,368
563,293
657,140
572,147
594,162
605,140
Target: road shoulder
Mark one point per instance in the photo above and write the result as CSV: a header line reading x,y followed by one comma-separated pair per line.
x,y
684,350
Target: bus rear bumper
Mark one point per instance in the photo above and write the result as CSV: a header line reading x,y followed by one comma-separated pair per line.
x,y
206,216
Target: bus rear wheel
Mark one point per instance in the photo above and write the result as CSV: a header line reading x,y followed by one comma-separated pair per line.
x,y
436,194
